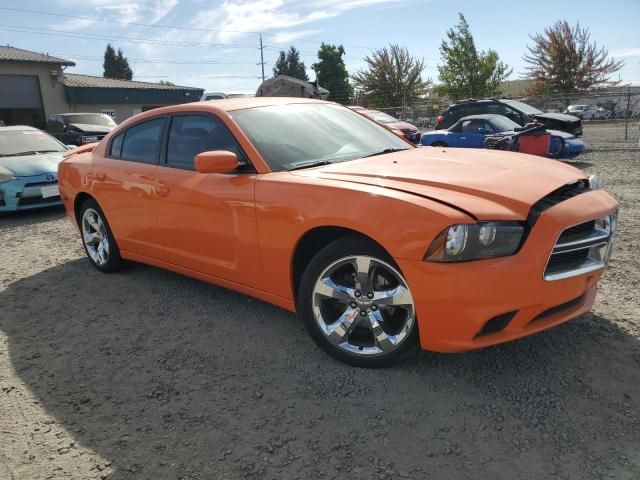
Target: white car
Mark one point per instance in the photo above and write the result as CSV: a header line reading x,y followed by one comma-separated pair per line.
x,y
585,112
223,95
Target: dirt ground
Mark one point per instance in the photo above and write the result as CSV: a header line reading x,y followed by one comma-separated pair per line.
x,y
146,374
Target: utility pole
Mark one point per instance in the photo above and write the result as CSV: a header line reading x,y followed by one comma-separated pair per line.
x,y
626,123
262,56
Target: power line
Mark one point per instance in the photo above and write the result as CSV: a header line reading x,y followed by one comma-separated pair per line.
x,y
152,61
139,40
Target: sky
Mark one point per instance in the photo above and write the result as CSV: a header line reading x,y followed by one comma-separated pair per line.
x,y
213,44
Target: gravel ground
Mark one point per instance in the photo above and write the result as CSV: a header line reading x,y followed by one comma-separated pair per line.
x,y
146,374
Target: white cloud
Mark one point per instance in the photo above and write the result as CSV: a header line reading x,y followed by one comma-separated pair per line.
x,y
146,11
289,36
626,52
234,17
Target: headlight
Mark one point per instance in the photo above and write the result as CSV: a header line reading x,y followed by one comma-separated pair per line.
x,y
462,242
6,176
89,139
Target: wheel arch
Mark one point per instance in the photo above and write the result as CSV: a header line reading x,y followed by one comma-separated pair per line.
x,y
80,198
311,242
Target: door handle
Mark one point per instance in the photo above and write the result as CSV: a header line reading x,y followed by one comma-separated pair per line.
x,y
100,176
161,190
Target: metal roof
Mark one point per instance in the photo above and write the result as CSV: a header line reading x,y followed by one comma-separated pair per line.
x,y
76,80
80,89
13,54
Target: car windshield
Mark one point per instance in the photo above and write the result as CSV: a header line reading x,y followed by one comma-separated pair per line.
x,y
577,107
299,134
380,117
523,107
26,142
92,119
503,124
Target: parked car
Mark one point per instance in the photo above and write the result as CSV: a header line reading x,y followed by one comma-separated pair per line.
x,y
519,112
79,128
602,114
225,95
409,131
28,169
377,243
584,112
471,132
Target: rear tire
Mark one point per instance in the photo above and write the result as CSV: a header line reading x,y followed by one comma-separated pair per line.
x,y
97,239
356,305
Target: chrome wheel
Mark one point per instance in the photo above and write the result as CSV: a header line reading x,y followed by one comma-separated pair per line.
x,y
95,237
363,305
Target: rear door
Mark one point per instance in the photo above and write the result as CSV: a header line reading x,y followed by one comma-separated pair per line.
x,y
207,221
124,186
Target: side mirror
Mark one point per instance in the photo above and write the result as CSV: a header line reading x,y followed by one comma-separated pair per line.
x,y
216,161
482,131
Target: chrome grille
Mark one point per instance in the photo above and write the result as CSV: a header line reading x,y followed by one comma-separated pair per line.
x,y
582,248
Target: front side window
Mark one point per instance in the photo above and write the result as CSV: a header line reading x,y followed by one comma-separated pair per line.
x,y
298,134
142,141
190,135
472,126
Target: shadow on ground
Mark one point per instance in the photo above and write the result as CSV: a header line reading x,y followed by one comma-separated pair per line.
x,y
168,377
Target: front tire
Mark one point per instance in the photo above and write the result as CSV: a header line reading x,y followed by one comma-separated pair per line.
x,y
439,144
97,239
356,304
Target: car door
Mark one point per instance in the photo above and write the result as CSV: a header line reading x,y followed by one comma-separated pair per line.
x,y
472,133
123,184
207,221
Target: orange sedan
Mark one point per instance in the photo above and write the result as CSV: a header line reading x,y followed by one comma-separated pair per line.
x,y
312,207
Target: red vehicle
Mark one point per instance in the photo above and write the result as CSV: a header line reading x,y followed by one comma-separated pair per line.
x,y
409,131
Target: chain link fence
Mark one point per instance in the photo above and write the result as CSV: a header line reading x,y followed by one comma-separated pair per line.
x,y
615,111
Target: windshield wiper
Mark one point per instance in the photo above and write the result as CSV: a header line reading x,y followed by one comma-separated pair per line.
x,y
311,164
385,151
32,152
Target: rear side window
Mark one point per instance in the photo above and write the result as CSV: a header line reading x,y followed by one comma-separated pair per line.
x,y
472,126
142,141
116,146
190,135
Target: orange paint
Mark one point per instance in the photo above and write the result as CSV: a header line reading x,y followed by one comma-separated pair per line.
x,y
241,230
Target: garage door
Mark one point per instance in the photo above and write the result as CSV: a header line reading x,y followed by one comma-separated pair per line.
x,y
20,100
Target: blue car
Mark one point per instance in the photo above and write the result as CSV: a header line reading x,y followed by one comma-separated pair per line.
x,y
470,132
29,161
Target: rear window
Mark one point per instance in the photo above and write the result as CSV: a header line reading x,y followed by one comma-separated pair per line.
x,y
142,141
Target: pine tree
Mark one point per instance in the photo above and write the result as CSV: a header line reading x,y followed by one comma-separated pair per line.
x,y
289,63
116,65
331,72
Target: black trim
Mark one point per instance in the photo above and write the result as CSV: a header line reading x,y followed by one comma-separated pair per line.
x,y
242,169
125,130
559,308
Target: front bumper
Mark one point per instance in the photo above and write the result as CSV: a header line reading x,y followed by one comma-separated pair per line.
x,y
456,301
26,193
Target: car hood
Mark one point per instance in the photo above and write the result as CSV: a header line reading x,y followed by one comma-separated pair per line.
x,y
89,128
559,117
486,184
399,125
29,165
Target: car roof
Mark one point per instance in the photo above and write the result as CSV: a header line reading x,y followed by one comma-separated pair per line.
x,y
16,128
480,116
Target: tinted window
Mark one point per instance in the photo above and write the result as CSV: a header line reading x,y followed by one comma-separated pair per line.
x,y
193,134
300,134
142,141
116,145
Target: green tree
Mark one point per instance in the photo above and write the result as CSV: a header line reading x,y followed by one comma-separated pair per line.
x,y
392,75
564,60
331,72
289,63
466,72
116,65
